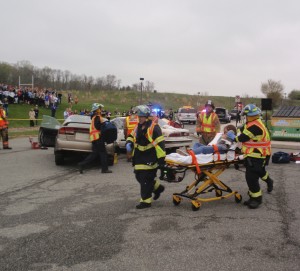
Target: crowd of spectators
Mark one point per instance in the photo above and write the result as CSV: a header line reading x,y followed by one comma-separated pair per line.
x,y
33,96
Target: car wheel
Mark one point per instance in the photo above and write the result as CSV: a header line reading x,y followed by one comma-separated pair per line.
x,y
59,158
46,139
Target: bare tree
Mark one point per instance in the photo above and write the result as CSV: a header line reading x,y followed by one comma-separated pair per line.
x,y
273,90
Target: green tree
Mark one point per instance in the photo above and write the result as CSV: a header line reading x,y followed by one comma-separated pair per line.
x,y
294,95
273,90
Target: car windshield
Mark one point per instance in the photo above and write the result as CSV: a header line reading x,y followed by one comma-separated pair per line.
x,y
188,110
220,110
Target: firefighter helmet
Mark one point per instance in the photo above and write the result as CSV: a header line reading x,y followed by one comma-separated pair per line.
x,y
96,106
209,102
143,111
251,110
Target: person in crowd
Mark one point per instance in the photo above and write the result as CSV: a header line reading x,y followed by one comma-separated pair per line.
x,y
222,146
148,145
31,117
256,146
53,110
4,128
238,117
208,124
67,113
171,114
36,114
98,144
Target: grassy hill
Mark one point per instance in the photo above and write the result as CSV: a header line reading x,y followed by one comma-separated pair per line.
x,y
120,100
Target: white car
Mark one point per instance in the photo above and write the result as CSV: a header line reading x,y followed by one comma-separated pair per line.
x,y
174,137
69,138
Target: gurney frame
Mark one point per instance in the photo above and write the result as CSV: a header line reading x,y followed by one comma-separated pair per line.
x,y
206,180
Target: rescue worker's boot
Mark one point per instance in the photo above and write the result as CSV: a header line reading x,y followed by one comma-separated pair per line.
x,y
158,191
253,203
143,205
269,182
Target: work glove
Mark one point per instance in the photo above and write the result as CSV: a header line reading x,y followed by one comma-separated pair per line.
x,y
230,134
161,162
129,147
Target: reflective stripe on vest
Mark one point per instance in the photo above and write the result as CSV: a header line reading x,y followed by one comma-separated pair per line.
x,y
145,167
94,133
131,123
3,122
153,143
261,142
207,124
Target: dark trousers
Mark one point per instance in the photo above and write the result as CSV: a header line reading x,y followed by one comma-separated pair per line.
x,y
98,150
4,135
146,178
255,169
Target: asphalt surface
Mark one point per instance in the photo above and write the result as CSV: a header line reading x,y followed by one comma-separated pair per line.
x,y
53,218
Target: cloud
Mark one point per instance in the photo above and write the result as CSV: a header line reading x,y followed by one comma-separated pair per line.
x,y
220,47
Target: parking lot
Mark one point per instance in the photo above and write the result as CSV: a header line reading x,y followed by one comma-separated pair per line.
x,y
53,218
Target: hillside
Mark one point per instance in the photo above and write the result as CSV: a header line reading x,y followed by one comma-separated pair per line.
x,y
120,100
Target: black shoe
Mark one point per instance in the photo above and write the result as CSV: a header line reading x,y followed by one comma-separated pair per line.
x,y
7,148
106,171
253,203
269,182
143,205
158,191
80,169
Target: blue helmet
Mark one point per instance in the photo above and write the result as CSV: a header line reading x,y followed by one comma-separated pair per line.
x,y
251,110
143,111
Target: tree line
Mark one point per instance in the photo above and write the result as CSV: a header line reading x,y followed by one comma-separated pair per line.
x,y
63,80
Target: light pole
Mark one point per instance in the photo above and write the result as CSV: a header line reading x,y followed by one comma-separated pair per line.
x,y
141,100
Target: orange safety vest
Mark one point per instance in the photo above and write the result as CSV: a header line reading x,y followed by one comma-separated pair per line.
x,y
94,133
3,121
131,122
259,142
207,124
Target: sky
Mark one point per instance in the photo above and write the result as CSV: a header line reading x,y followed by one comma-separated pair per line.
x,y
216,47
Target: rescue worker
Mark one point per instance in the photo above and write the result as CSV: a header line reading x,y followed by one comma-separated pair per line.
x,y
130,122
148,145
98,145
4,128
208,124
256,146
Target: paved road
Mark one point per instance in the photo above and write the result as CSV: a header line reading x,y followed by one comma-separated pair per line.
x,y
52,218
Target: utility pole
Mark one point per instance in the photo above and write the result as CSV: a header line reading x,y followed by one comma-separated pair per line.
x,y
141,99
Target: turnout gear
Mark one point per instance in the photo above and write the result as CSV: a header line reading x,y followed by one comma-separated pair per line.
x,y
148,150
98,145
256,147
208,125
4,128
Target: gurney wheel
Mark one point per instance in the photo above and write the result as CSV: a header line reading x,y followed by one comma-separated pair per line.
x,y
238,198
179,179
196,205
218,193
176,200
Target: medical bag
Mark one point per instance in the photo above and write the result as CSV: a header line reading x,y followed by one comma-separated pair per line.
x,y
109,132
280,157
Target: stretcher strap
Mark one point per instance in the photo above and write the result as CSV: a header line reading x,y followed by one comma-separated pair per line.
x,y
194,161
216,150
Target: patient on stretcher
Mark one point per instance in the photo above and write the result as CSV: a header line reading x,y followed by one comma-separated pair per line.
x,y
225,149
221,144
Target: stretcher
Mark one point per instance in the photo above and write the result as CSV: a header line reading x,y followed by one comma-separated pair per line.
x,y
206,176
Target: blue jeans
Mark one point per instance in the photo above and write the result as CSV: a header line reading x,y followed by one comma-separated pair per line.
x,y
199,148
